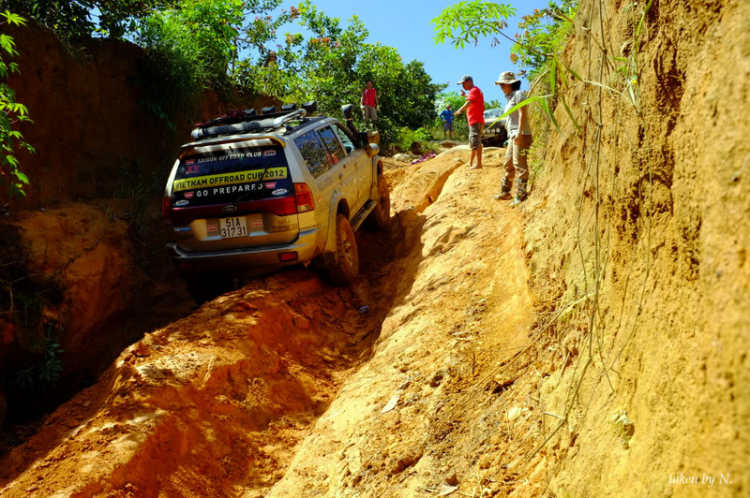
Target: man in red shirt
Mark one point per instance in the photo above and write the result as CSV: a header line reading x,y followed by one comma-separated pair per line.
x,y
474,108
370,105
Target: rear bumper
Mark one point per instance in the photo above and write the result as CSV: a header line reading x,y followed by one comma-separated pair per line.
x,y
232,260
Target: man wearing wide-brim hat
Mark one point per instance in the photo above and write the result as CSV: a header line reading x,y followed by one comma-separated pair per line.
x,y
519,140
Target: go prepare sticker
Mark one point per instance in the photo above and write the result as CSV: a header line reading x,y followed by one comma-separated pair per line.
x,y
229,179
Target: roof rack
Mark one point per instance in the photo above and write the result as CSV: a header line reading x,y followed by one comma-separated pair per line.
x,y
235,123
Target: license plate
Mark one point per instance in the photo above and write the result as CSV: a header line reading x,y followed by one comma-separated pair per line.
x,y
233,227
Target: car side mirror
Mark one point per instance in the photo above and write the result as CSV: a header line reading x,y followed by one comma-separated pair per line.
x,y
364,139
348,111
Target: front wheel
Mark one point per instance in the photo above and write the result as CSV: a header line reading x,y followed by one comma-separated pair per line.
x,y
381,215
342,266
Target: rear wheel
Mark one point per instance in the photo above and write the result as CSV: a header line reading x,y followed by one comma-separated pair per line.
x,y
381,215
204,288
342,266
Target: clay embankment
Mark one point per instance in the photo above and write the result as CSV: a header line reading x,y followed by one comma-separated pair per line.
x,y
638,247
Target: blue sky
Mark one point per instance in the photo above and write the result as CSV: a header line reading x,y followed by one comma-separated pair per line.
x,y
405,25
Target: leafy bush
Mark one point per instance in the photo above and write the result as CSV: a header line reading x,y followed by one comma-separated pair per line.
x,y
467,21
407,136
190,49
333,65
75,19
543,34
11,112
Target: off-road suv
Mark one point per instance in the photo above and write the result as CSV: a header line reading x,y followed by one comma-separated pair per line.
x,y
258,191
495,134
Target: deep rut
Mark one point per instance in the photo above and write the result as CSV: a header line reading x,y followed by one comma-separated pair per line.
x,y
216,402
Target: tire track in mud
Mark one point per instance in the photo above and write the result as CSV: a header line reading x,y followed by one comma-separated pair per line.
x,y
215,404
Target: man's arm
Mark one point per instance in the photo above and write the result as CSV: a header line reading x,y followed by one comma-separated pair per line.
x,y
463,107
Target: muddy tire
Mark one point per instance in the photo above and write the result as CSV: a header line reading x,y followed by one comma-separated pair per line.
x,y
342,266
381,215
204,288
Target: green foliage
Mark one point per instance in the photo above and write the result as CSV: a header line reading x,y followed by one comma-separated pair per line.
x,y
407,136
542,35
460,126
72,19
194,45
11,113
191,48
467,21
535,48
332,67
47,371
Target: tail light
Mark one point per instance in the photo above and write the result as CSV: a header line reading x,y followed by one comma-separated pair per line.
x,y
301,202
281,206
304,197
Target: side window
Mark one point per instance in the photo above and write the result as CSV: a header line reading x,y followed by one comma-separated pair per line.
x,y
332,143
313,152
345,139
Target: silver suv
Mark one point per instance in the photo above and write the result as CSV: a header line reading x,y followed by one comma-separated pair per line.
x,y
256,192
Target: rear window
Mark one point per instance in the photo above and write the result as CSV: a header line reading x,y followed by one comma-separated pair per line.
x,y
231,175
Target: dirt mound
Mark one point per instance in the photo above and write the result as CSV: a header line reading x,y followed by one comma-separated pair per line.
x,y
87,252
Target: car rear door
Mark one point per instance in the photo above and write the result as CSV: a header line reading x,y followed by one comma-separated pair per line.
x,y
344,167
233,195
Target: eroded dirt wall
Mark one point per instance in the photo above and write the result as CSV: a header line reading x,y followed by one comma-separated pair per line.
x,y
92,133
638,234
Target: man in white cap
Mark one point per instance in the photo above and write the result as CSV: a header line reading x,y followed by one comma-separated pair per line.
x,y
474,108
519,140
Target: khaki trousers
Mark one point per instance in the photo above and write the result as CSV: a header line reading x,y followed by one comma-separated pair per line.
x,y
516,161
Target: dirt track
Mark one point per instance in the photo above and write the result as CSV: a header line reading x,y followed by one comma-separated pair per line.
x,y
224,401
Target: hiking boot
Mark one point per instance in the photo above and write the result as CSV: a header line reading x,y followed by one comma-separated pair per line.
x,y
520,192
502,196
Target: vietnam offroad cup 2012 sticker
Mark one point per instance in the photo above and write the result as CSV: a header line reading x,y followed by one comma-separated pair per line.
x,y
223,180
